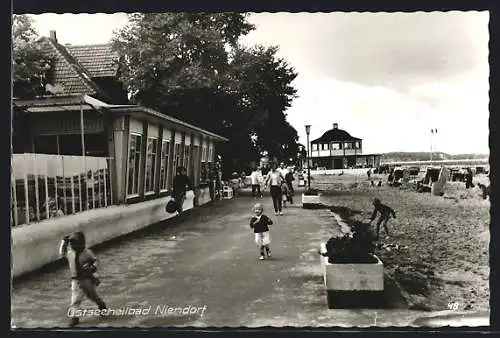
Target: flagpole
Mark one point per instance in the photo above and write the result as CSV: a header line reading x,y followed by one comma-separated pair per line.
x,y
432,132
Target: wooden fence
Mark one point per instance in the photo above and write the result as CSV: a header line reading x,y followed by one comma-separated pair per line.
x,y
46,186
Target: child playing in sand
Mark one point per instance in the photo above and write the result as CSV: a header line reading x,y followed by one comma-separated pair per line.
x,y
82,266
385,213
260,225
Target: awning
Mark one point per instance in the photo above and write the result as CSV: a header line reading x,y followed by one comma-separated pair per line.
x,y
60,103
86,103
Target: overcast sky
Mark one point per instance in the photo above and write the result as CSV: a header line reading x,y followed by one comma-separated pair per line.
x,y
387,78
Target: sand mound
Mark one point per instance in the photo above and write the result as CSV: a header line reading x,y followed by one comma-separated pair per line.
x,y
440,234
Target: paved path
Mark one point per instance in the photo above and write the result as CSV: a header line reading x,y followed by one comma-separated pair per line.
x,y
209,259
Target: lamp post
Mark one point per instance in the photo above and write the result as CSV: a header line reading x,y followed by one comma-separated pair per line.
x,y
308,130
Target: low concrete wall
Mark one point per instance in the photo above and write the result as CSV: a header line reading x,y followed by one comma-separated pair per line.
x,y
354,172
36,245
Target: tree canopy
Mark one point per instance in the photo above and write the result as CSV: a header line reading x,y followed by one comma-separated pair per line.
x,y
30,65
192,66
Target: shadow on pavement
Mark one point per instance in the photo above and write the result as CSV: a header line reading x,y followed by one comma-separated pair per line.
x,y
172,224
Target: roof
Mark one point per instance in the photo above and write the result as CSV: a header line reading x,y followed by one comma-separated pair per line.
x,y
154,113
100,59
68,72
335,134
59,103
86,102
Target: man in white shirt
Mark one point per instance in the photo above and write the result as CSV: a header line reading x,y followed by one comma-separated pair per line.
x,y
283,170
256,179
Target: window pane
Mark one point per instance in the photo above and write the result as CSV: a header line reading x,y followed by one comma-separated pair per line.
x,y
137,164
196,163
133,164
130,181
155,148
177,156
167,164
186,157
162,165
150,165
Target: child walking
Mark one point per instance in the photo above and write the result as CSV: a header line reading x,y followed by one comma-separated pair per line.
x,y
83,267
285,193
260,225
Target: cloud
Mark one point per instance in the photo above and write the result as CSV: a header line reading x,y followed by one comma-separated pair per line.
x,y
394,50
80,28
391,121
387,77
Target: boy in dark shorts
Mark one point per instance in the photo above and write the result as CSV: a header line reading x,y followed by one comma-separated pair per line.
x,y
385,214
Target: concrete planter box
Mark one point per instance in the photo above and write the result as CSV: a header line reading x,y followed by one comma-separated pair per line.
x,y
353,283
310,201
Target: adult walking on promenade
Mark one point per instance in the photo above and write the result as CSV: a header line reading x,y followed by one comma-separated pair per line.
x,y
289,179
180,184
274,179
256,179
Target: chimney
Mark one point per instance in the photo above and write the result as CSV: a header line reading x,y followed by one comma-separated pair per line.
x,y
52,35
335,126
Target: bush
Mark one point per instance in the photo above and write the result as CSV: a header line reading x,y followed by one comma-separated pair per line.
x,y
356,250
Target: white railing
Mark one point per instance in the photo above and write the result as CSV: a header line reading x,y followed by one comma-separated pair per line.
x,y
46,186
339,152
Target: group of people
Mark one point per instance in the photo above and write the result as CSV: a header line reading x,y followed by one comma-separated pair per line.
x,y
359,248
279,180
83,263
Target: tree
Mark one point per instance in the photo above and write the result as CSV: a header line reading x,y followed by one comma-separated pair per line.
x,y
169,55
30,64
190,66
266,92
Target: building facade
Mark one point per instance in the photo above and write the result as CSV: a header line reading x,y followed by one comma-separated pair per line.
x,y
82,146
337,149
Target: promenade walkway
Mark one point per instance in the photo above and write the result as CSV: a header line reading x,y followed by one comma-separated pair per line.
x,y
209,260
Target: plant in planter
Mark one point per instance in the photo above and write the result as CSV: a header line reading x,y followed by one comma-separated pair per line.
x,y
351,271
358,249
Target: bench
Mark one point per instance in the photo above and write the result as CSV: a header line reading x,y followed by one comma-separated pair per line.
x,y
351,281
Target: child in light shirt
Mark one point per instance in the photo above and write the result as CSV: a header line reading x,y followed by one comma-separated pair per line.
x,y
83,267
